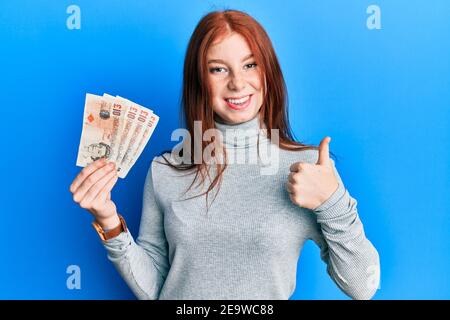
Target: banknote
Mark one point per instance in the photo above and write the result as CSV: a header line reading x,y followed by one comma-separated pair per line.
x,y
119,109
127,131
149,127
97,131
143,117
115,128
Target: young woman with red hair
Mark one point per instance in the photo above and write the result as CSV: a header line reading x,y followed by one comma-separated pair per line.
x,y
245,243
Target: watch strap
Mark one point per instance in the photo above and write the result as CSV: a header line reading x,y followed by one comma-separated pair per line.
x,y
111,233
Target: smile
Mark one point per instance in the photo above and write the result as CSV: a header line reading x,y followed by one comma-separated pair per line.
x,y
240,103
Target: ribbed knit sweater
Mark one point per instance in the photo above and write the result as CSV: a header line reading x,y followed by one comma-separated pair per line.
x,y
248,244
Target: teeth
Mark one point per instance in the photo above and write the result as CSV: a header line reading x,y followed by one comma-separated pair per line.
x,y
238,101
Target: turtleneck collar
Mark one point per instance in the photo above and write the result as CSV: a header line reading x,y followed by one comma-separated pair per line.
x,y
240,135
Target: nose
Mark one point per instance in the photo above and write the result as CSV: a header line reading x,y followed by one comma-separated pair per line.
x,y
236,83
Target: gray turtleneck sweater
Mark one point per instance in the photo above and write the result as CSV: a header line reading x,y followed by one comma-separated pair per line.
x,y
248,244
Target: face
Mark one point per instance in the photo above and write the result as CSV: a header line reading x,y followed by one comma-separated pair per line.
x,y
96,151
234,78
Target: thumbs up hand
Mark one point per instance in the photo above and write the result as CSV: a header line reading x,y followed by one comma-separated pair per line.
x,y
309,185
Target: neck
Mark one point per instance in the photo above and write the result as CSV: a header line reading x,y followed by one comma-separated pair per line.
x,y
240,135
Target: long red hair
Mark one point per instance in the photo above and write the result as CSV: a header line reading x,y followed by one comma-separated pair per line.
x,y
196,94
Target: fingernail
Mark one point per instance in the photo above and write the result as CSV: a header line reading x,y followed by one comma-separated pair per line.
x,y
111,164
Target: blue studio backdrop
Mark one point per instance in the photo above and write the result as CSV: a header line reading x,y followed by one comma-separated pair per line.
x,y
373,75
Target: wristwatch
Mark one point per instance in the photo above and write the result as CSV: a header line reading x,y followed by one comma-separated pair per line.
x,y
111,233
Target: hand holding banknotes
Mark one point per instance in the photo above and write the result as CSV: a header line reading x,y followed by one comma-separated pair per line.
x,y
91,189
114,134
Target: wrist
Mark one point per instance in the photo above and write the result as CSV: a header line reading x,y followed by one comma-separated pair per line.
x,y
110,229
109,223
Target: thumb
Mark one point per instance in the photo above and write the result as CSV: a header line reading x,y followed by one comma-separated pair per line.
x,y
324,151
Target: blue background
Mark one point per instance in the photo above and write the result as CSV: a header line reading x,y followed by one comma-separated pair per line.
x,y
382,95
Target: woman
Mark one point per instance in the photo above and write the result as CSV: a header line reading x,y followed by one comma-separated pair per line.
x,y
245,244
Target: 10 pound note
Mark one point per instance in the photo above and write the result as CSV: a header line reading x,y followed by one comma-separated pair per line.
x,y
116,129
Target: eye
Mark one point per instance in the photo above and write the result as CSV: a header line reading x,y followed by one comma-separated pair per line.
x,y
251,65
216,70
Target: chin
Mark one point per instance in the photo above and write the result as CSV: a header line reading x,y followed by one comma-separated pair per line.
x,y
231,117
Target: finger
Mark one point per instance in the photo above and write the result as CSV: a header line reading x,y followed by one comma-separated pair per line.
x,y
105,193
296,167
96,188
85,173
91,180
291,177
324,151
293,199
289,187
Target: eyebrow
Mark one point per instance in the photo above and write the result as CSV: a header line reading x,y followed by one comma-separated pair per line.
x,y
221,61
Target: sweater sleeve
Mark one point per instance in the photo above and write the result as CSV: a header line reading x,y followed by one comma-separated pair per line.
x,y
143,264
352,261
